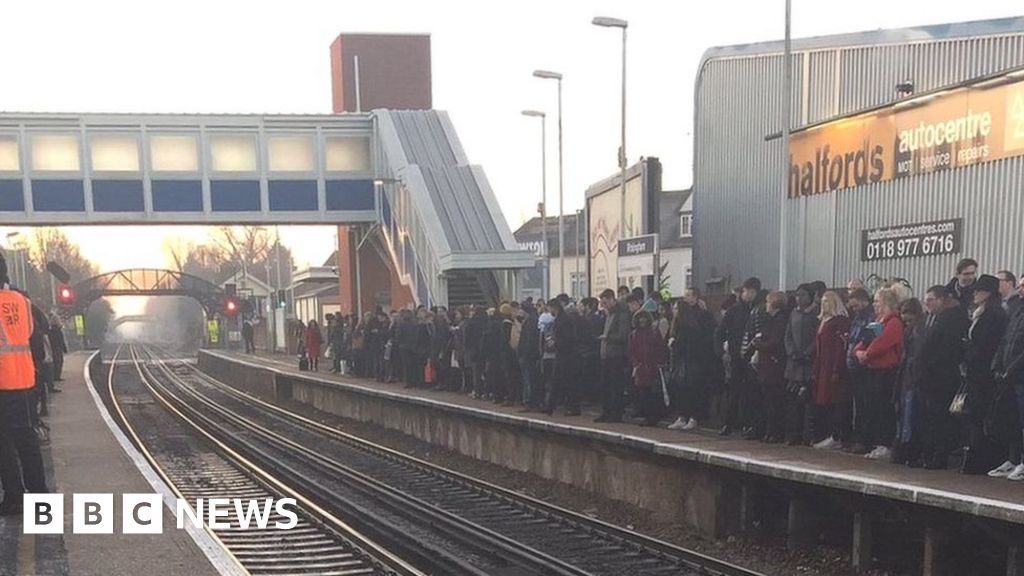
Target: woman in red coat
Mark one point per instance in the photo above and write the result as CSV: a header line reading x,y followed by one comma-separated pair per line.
x,y
648,352
314,341
830,397
876,414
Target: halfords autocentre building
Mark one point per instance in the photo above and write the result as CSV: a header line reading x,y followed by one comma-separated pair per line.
x,y
906,154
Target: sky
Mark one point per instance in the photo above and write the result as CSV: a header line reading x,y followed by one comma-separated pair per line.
x,y
272,57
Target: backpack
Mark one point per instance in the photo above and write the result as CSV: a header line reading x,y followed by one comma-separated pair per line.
x,y
515,334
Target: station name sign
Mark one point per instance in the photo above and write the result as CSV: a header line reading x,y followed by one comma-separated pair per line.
x,y
912,240
637,255
960,127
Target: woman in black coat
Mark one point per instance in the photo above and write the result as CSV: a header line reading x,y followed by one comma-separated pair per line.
x,y
988,323
695,364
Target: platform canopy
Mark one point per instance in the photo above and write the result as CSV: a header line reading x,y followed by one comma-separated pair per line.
x,y
186,169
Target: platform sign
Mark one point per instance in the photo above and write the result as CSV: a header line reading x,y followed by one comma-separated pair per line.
x,y
637,255
213,331
80,324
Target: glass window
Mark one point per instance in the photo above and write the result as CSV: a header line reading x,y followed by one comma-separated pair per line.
x,y
347,154
233,154
112,153
177,153
686,225
55,153
9,158
291,154
689,277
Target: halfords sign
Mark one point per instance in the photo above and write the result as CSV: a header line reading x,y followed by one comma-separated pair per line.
x,y
636,255
961,127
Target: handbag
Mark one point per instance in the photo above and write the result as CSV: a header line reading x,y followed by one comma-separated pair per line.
x,y
429,374
958,407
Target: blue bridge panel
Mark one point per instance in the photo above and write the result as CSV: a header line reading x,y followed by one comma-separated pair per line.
x,y
350,195
235,196
293,195
117,196
177,196
58,196
11,196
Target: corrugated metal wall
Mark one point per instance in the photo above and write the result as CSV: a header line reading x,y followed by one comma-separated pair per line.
x,y
738,178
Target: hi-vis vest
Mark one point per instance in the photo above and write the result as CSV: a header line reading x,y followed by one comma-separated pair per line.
x,y
17,371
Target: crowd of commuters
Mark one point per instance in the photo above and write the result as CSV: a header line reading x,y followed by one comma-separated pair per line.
x,y
31,364
926,383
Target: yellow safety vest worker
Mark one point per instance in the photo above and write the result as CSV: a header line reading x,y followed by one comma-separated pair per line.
x,y
17,371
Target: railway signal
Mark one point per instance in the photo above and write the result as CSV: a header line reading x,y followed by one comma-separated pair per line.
x,y
231,306
65,295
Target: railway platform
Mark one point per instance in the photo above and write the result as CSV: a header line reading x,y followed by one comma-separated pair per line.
x,y
85,456
718,486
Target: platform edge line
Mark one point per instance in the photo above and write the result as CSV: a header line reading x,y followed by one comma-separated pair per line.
x,y
221,562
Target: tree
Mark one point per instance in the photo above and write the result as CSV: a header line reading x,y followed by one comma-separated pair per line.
x,y
245,245
52,245
202,260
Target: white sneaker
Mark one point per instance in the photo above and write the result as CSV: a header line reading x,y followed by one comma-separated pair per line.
x,y
691,424
1003,470
1018,473
679,424
829,443
880,453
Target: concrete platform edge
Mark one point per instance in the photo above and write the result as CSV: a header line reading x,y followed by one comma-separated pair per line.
x,y
218,557
965,503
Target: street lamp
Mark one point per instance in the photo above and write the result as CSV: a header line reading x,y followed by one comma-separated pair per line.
x,y
606,22
18,264
787,98
548,75
546,278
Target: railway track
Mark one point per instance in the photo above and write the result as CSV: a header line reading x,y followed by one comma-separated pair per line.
x,y
537,537
319,543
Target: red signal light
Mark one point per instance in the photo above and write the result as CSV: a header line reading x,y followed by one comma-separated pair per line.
x,y
65,295
230,307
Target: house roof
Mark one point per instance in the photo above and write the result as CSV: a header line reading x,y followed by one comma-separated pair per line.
x,y
532,231
671,205
229,273
310,290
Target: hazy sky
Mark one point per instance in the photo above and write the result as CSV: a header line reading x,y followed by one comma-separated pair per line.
x,y
272,57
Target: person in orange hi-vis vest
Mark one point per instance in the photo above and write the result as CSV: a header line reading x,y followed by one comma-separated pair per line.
x,y
21,463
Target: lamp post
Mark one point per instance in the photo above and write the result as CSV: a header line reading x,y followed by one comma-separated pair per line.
x,y
19,269
549,75
606,22
546,277
787,97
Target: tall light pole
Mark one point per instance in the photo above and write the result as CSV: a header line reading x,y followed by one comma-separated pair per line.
x,y
787,97
606,22
18,269
548,75
546,277
278,323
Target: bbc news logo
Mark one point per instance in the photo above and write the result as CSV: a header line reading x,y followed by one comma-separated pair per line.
x,y
143,513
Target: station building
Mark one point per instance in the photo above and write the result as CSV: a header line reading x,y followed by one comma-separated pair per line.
x,y
906,154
